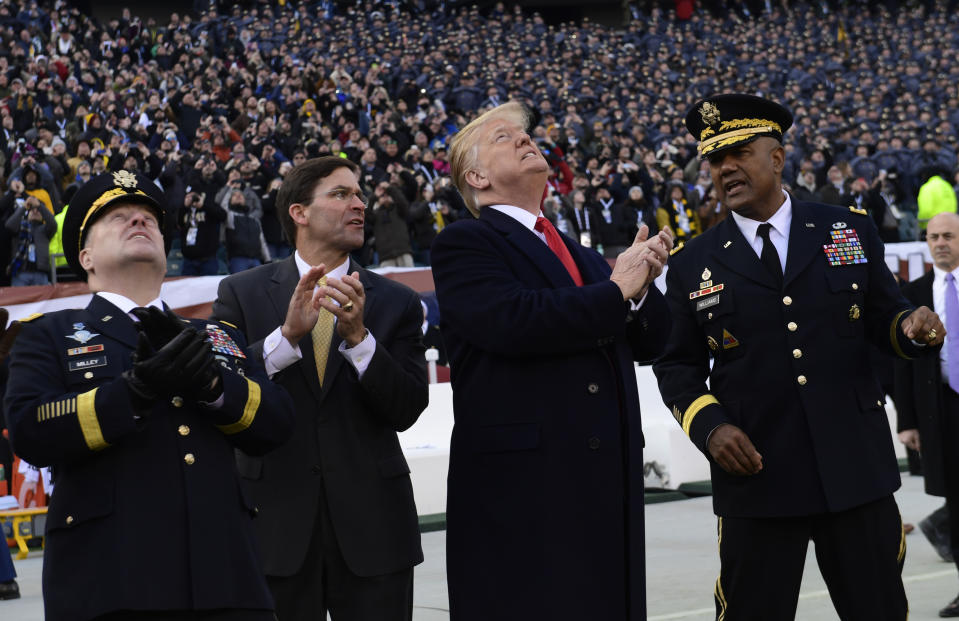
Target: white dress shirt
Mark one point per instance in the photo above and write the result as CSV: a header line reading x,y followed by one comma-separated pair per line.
x,y
778,234
126,304
278,353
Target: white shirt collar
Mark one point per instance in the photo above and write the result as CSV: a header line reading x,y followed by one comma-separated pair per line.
x,y
126,304
517,213
940,275
337,272
780,221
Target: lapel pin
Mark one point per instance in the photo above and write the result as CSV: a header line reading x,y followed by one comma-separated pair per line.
x,y
727,244
107,318
810,225
839,225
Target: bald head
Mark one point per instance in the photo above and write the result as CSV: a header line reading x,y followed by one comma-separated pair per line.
x,y
942,235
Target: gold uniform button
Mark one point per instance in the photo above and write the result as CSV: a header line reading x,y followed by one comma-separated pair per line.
x,y
797,353
792,326
69,520
802,380
710,315
787,300
879,402
88,375
177,402
855,286
189,459
183,430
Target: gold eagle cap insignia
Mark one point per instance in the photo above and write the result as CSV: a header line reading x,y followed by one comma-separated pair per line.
x,y
710,113
125,179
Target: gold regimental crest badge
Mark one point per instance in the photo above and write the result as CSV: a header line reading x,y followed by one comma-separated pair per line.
x,y
125,178
710,113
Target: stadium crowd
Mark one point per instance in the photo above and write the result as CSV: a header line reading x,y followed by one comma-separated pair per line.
x,y
218,106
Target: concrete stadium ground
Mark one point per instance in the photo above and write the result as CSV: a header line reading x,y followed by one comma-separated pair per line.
x,y
682,565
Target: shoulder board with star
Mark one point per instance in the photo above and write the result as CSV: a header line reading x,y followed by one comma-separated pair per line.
x,y
30,318
861,212
677,248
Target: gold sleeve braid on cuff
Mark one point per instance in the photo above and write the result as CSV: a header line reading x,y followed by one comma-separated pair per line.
x,y
89,424
894,336
249,411
694,409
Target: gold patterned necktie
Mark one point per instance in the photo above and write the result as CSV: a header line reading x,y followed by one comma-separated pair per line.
x,y
322,335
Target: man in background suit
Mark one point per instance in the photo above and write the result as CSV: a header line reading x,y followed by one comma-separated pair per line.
x,y
545,491
927,389
337,526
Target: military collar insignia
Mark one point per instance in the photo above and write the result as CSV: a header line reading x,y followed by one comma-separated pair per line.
x,y
727,244
810,225
81,334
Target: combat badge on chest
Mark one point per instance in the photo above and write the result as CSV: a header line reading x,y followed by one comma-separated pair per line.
x,y
82,335
706,288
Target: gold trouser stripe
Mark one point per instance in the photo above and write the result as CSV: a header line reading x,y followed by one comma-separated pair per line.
x,y
694,409
902,543
249,411
89,425
894,337
718,591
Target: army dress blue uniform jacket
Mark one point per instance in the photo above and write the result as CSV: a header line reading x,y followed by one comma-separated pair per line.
x,y
790,367
146,514
545,487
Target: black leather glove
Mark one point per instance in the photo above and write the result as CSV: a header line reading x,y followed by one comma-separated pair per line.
x,y
200,371
162,372
161,327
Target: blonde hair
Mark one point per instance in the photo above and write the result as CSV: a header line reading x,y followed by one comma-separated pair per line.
x,y
464,148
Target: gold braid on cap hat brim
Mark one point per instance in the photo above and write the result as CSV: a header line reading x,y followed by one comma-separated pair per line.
x,y
732,137
101,201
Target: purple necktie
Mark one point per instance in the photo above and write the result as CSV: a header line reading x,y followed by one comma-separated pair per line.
x,y
952,331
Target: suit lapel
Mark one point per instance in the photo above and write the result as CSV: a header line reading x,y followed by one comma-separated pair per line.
x,y
735,253
526,242
110,321
807,235
924,289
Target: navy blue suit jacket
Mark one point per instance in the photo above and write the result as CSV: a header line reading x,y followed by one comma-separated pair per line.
x,y
545,490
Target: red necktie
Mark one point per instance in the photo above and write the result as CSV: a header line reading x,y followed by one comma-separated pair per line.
x,y
555,243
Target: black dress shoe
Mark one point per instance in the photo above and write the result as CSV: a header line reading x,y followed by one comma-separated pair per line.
x,y
939,540
952,610
9,590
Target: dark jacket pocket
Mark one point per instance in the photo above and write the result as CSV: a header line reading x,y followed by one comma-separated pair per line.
x,y
249,467
79,500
